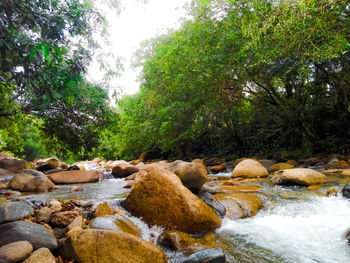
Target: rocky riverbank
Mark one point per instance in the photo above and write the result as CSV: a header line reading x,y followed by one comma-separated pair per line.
x,y
181,203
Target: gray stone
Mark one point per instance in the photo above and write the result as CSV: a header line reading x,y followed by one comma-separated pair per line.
x,y
211,201
41,255
346,191
213,255
14,211
16,251
78,221
35,234
44,215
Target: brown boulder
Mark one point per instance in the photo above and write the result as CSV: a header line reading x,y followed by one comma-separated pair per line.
x,y
279,166
75,177
15,252
249,168
298,176
109,246
31,181
64,218
48,164
161,199
124,169
41,255
15,165
104,209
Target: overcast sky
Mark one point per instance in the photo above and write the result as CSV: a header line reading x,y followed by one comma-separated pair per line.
x,y
137,22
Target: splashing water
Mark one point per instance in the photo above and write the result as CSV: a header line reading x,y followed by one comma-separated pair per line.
x,y
297,231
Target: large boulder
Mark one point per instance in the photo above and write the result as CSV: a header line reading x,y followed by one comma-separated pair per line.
x,y
15,252
48,164
161,199
75,177
124,169
31,181
95,245
14,211
35,234
298,176
41,255
279,166
249,168
15,165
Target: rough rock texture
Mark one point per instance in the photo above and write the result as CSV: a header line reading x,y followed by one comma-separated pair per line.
x,y
213,255
15,165
240,205
64,218
75,177
15,252
35,234
249,168
279,166
116,222
44,215
104,209
41,255
47,164
211,201
124,169
298,176
109,246
14,211
31,181
161,199
77,222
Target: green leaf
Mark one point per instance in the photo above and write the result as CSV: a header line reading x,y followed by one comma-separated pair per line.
x,y
46,50
35,50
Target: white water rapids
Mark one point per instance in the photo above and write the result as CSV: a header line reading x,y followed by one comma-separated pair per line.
x,y
299,231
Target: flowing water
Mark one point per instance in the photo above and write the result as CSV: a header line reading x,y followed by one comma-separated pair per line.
x,y
296,225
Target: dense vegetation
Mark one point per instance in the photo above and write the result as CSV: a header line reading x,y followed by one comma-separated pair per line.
x,y
239,77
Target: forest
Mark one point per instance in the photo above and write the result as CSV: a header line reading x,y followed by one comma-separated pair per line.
x,y
238,78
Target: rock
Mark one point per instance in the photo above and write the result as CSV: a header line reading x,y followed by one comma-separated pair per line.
x,y
55,206
14,211
332,191
15,252
240,205
74,229
249,168
243,188
41,255
346,191
211,201
84,203
95,245
76,188
298,176
64,218
35,234
15,165
345,172
75,177
237,161
4,155
347,236
266,163
116,222
77,222
44,215
3,200
218,168
31,181
279,166
123,170
213,161
47,164
73,168
6,174
213,255
104,209
161,199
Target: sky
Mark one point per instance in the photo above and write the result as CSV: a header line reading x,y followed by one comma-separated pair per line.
x,y
137,21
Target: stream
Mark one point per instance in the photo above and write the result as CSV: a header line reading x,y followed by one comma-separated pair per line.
x,y
296,225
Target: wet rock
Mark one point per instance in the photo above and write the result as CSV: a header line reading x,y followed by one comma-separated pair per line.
x,y
31,181
3,200
95,245
249,168
298,176
240,205
14,211
77,222
15,252
346,191
116,222
6,174
44,214
41,255
84,203
76,188
332,191
161,199
279,166
104,209
218,168
211,201
75,177
64,218
124,169
213,255
35,234
15,165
